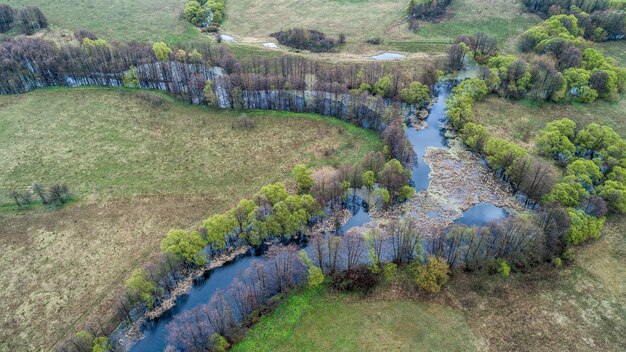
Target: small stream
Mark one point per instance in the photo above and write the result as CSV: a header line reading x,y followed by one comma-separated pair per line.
x,y
155,332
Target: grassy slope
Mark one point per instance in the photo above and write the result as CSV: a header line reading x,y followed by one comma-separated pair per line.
x,y
520,120
501,19
137,171
319,320
144,20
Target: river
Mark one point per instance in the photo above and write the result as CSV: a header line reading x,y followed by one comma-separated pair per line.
x,y
155,332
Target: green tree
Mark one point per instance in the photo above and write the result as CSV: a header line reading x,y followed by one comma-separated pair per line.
x,y
568,193
502,154
243,214
382,197
369,179
393,177
186,246
474,136
161,51
432,275
131,77
141,288
197,13
101,344
614,193
383,87
475,88
503,268
617,174
405,193
315,274
416,93
274,192
595,139
219,343
583,226
209,94
218,228
585,171
302,175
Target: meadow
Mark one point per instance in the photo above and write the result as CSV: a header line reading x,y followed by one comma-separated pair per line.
x,y
141,20
319,319
520,121
136,170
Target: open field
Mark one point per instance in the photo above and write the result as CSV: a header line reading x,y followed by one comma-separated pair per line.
x,y
142,20
137,171
359,20
502,19
320,320
519,121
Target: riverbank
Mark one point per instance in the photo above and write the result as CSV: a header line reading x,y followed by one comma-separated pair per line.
x,y
127,334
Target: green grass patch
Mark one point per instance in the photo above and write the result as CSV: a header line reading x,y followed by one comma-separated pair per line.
x,y
143,20
320,320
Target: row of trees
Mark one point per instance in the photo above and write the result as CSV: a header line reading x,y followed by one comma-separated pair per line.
x,y
600,20
365,94
58,193
212,326
27,19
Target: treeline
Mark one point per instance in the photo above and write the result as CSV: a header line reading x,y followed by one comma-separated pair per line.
x,y
558,66
600,20
307,39
57,193
207,14
364,94
425,10
28,20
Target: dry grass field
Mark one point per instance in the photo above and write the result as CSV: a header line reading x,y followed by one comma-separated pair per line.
x,y
136,171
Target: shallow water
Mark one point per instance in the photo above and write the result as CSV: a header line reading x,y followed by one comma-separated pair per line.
x,y
388,56
431,136
481,214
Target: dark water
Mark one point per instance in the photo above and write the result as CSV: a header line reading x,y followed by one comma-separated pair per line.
x,y
481,214
431,136
155,332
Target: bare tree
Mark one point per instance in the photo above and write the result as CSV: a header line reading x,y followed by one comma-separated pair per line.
x,y
353,248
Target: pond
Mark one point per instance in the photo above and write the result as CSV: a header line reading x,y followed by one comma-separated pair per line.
x,y
481,214
388,56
